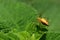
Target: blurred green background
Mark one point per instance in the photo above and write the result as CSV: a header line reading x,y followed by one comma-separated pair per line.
x,y
18,19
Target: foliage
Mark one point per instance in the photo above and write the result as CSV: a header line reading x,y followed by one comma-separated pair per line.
x,y
18,19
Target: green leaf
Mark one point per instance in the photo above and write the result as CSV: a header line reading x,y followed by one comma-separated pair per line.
x,y
16,17
14,14
52,12
49,9
33,37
